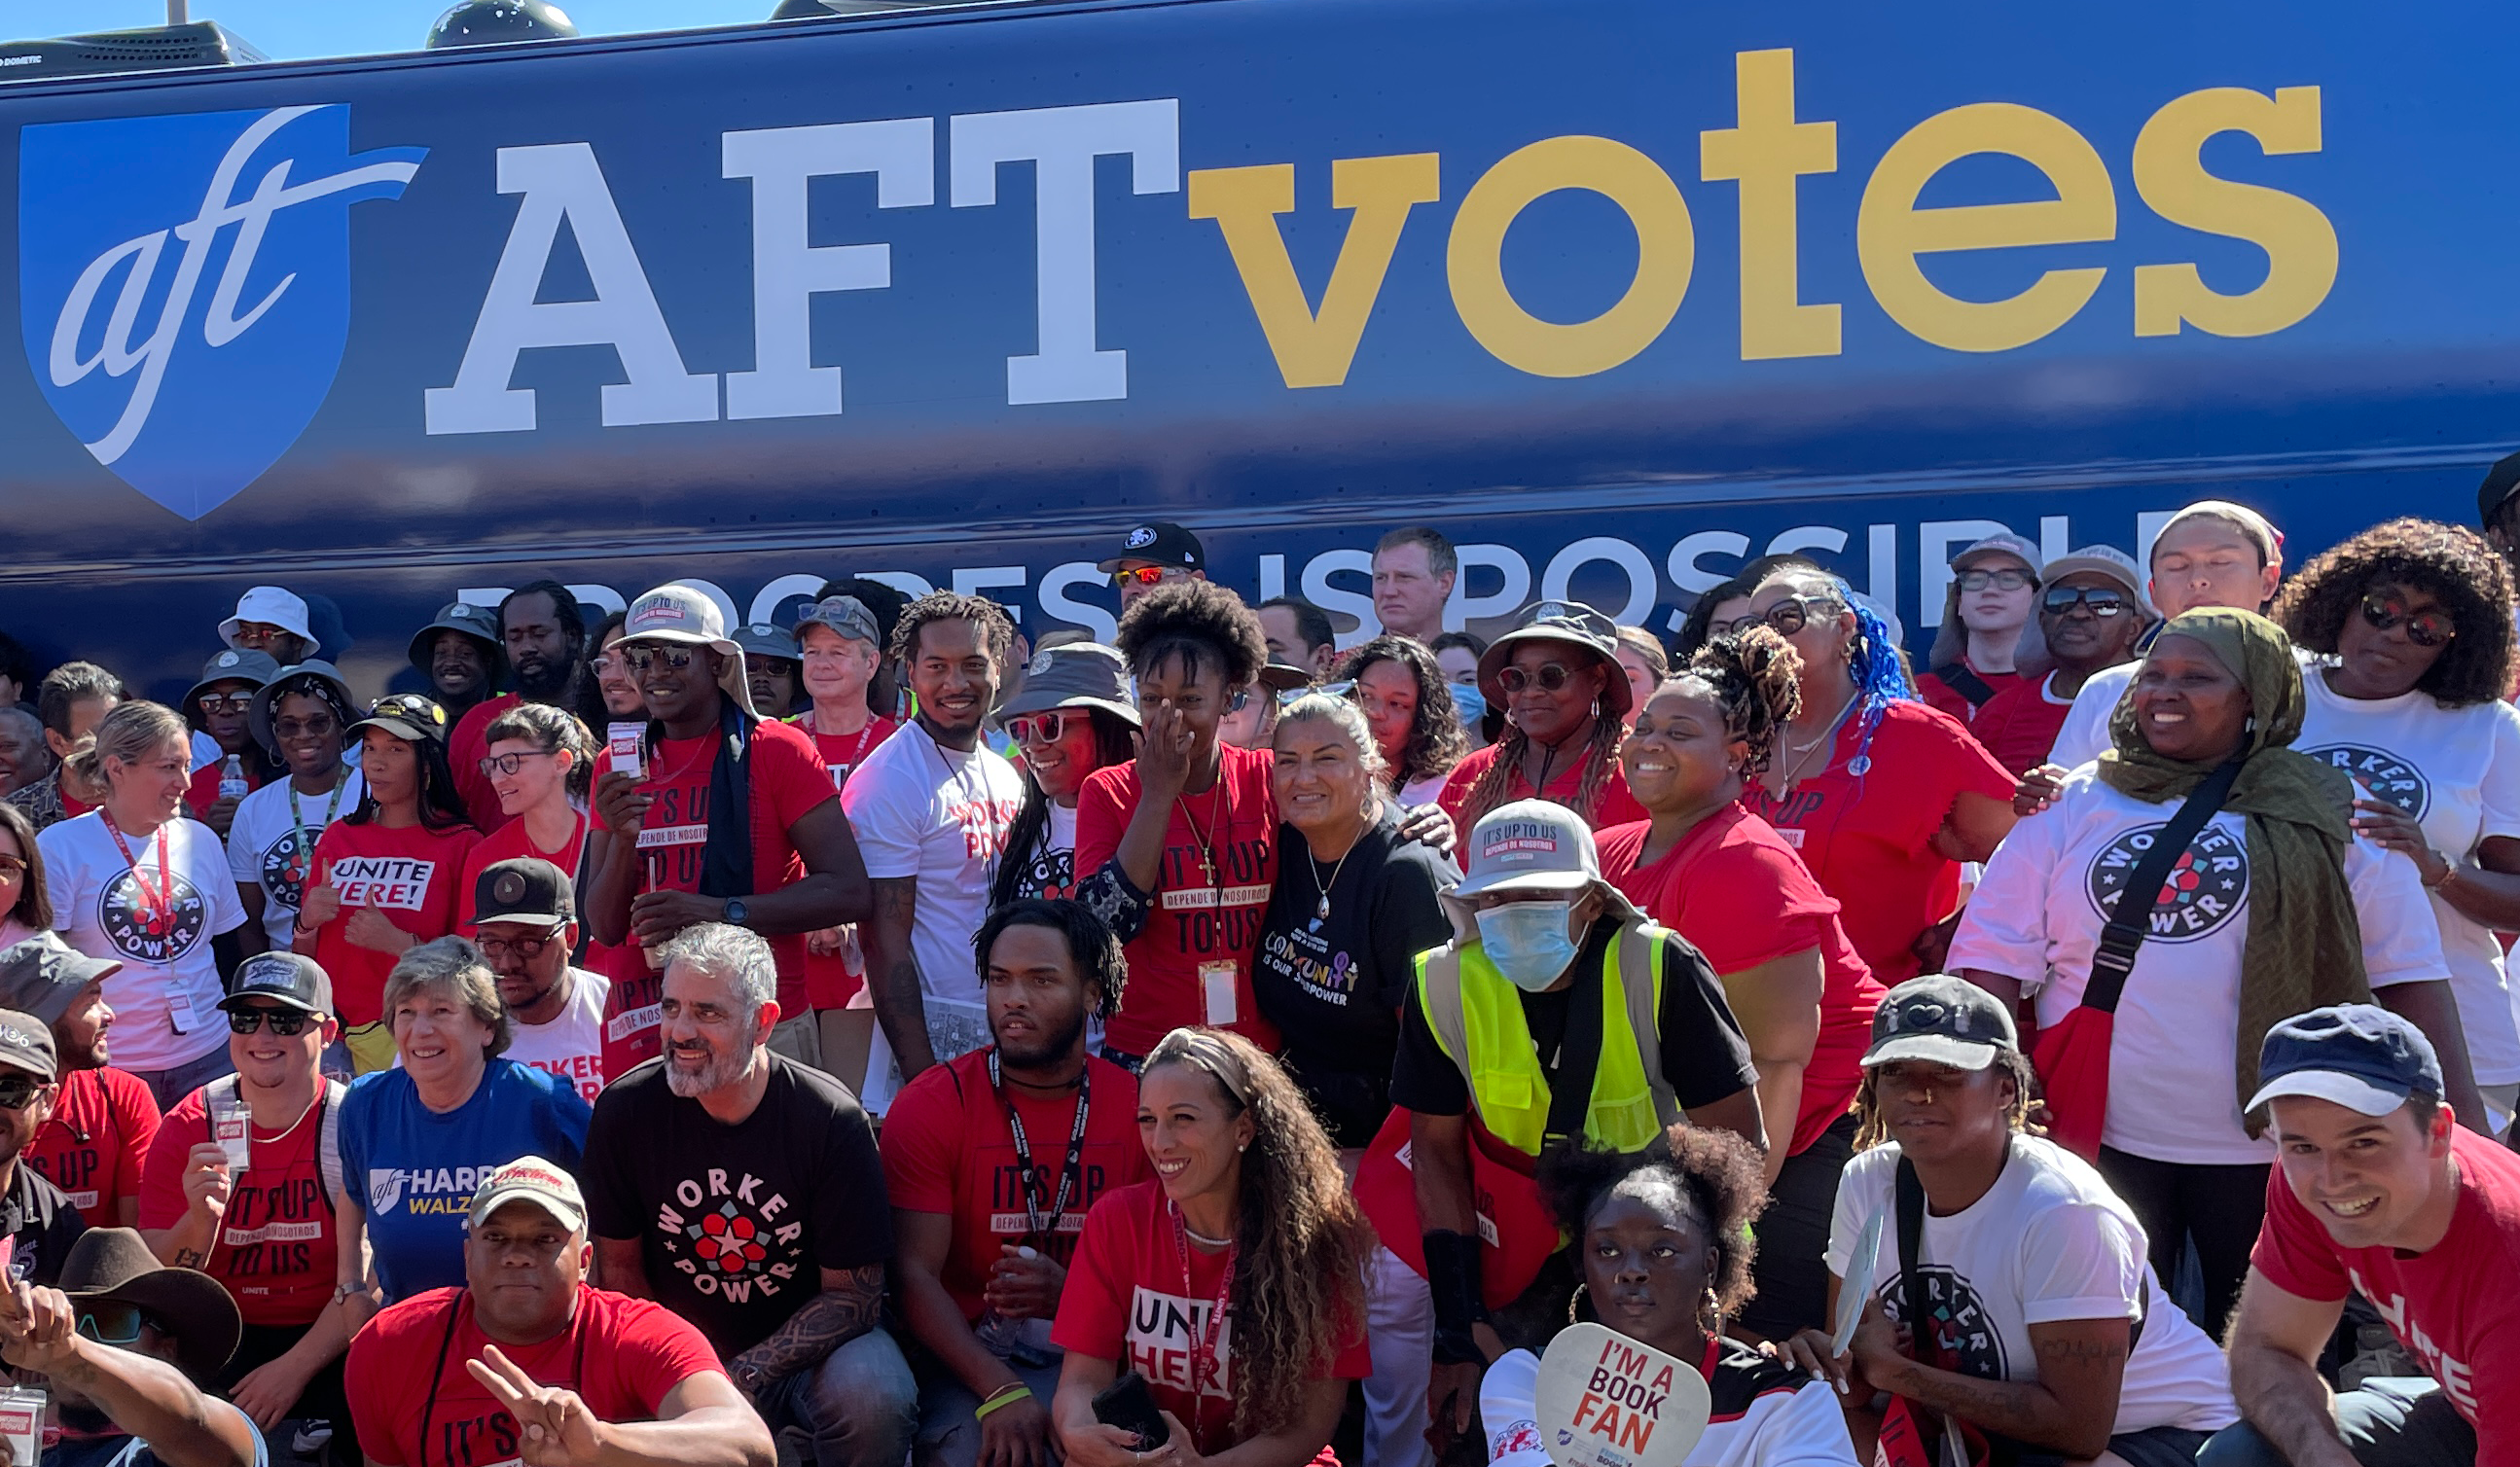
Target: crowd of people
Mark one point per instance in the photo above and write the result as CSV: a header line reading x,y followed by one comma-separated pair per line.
x,y
880,1038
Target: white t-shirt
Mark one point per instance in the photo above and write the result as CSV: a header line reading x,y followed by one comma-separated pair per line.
x,y
1422,791
571,1046
2037,917
940,816
1759,1420
2047,1242
165,998
2457,771
265,848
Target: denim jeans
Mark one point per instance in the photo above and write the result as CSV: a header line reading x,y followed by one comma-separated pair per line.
x,y
859,1405
2391,1421
949,1428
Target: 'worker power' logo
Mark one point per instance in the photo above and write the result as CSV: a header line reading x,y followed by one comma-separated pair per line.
x,y
2204,887
184,284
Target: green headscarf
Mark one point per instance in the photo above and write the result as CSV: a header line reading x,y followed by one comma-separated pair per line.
x,y
2305,944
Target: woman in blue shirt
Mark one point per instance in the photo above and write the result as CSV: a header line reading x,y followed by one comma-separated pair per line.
x,y
417,1139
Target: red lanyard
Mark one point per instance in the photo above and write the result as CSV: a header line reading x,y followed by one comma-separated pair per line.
x,y
151,904
1204,1366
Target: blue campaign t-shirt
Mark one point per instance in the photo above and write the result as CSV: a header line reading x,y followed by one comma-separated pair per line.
x,y
420,1168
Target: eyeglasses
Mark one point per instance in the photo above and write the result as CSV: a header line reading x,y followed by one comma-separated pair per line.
x,y
638,659
12,865
604,664
2099,600
1796,612
509,764
224,702
1042,727
526,948
1145,575
1734,628
285,1022
1551,676
2423,628
19,1091
2010,578
322,725
110,1324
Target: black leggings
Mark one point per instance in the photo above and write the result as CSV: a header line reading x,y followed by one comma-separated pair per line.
x,y
1793,1235
2220,1206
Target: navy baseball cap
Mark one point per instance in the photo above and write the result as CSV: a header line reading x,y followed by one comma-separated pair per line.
x,y
2359,1055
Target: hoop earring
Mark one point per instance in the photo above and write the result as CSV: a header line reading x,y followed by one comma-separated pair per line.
x,y
1574,1302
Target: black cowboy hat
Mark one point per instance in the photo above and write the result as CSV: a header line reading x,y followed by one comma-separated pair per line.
x,y
112,1266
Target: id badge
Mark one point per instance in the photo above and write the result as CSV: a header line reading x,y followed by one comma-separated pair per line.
x,y
179,1012
1216,984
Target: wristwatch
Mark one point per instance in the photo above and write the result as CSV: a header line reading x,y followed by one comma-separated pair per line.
x,y
734,911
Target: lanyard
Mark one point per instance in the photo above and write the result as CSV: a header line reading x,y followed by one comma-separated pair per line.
x,y
151,904
1070,1170
304,861
1219,816
1203,1363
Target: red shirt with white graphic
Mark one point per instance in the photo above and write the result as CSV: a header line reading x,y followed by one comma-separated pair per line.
x,y
787,783
1141,1295
1203,911
830,981
622,1356
411,873
464,747
97,1141
1740,895
275,1249
2455,1306
948,1149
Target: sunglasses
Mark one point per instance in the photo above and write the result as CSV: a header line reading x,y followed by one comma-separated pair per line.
x,y
2099,600
224,702
1145,575
1550,676
2011,578
1796,612
288,1023
639,658
2423,628
320,726
1042,727
509,764
19,1091
526,948
110,1324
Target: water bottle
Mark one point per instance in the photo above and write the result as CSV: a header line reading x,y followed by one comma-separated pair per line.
x,y
232,786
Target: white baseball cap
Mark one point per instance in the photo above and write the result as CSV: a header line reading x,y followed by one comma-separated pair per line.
x,y
680,613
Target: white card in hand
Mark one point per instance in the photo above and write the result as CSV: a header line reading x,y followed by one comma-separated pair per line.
x,y
1861,1271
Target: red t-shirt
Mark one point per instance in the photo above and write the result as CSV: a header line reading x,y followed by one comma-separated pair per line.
x,y
828,982
2455,1306
510,842
204,791
1736,891
95,1145
631,1036
465,748
622,1356
787,783
1938,693
1863,837
2019,725
276,1242
1200,913
948,1149
1127,1300
413,875
1613,806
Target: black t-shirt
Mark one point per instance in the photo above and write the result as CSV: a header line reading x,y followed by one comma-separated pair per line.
x,y
40,1217
1704,1057
1333,984
735,1222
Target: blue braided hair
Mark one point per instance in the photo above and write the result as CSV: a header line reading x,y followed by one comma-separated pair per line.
x,y
1880,675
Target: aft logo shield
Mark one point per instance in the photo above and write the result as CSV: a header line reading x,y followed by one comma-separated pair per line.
x,y
184,284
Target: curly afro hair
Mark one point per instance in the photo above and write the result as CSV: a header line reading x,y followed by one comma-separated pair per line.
x,y
1717,1171
1198,622
2452,565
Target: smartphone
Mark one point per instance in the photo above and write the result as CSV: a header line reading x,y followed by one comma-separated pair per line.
x,y
1130,1406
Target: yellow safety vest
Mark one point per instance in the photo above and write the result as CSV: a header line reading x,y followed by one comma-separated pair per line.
x,y
1476,1015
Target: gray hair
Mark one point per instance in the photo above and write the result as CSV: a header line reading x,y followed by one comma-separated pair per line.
x,y
1348,718
738,955
456,966
131,733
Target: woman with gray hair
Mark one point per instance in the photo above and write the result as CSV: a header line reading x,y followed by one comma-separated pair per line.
x,y
418,1138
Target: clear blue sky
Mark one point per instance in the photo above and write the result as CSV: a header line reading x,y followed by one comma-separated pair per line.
x,y
289,29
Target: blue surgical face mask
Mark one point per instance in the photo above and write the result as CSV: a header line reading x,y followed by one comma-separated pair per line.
x,y
1470,702
1531,943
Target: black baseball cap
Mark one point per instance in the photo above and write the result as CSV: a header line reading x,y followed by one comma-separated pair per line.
x,y
406,716
523,889
1158,541
2502,481
2359,1055
1942,1020
289,978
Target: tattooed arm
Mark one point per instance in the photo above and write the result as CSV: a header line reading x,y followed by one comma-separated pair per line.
x,y
847,1308
892,974
2070,1409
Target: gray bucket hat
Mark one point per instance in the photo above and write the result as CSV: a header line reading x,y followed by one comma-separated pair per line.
x,y
1570,622
236,664
480,623
1076,675
259,716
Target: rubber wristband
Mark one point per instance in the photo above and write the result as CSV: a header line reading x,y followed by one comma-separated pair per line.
x,y
1003,1400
